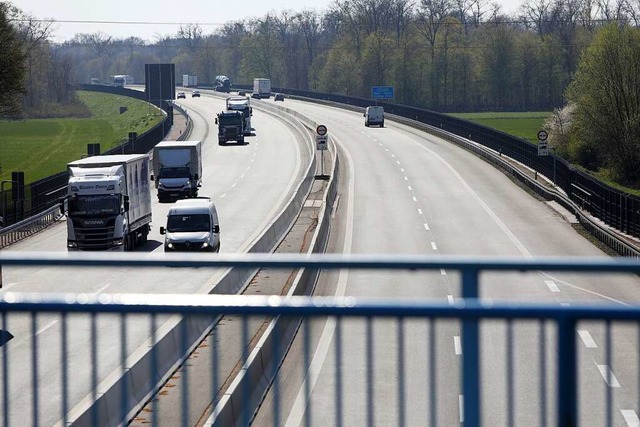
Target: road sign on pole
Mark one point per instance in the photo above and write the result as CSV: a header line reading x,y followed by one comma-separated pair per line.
x,y
543,145
321,142
321,130
382,92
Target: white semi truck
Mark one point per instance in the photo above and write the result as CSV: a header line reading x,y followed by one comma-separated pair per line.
x,y
177,169
242,103
262,87
108,202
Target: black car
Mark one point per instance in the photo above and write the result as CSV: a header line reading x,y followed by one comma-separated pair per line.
x,y
195,94
255,95
279,97
242,93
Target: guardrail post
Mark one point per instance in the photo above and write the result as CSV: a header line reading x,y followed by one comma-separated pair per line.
x,y
470,355
567,376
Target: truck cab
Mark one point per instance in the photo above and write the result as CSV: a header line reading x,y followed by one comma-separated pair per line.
x,y
243,104
108,203
231,126
192,226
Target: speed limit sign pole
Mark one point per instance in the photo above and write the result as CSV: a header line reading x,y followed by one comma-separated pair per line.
x,y
321,144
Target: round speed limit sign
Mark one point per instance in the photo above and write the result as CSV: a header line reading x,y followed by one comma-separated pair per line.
x,y
321,130
543,135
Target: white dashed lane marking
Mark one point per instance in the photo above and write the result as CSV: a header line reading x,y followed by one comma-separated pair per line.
x,y
410,188
450,299
552,286
433,246
630,417
456,345
419,211
426,227
443,272
587,339
415,199
608,376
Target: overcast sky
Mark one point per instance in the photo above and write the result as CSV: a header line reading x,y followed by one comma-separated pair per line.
x,y
162,17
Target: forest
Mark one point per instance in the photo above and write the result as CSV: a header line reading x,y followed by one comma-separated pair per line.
x,y
444,55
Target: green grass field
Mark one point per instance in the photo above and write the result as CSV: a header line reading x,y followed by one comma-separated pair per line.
x,y
43,147
524,125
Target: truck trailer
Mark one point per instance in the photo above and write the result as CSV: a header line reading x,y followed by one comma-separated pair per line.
x,y
177,169
189,81
242,103
262,87
108,203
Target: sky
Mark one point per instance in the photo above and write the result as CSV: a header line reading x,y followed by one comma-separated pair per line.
x,y
162,17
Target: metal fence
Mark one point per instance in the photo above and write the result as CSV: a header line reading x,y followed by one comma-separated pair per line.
x,y
385,365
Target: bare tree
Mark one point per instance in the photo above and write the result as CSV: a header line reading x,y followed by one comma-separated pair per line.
x,y
190,35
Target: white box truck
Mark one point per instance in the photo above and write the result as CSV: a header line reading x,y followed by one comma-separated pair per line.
x,y
177,169
262,87
242,103
108,202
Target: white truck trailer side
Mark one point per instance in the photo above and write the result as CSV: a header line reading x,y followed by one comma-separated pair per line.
x,y
109,202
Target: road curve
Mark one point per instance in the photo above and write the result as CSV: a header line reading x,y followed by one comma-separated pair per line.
x,y
408,192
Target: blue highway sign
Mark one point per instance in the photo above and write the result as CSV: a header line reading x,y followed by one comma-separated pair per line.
x,y
382,92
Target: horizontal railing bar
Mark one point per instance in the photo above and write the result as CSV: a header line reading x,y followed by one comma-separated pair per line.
x,y
323,261
303,306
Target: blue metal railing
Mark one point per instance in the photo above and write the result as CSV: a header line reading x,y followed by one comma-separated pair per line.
x,y
470,311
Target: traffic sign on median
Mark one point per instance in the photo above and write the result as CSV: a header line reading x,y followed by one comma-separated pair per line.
x,y
321,142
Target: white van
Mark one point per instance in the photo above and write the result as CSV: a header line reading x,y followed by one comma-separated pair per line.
x,y
192,225
374,115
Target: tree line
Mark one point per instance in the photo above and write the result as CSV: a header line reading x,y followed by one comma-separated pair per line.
x,y
443,55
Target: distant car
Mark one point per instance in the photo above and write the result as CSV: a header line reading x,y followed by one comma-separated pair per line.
x,y
279,97
255,95
195,94
181,95
242,93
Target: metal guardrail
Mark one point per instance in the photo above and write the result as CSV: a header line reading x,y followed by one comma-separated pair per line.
x,y
470,312
27,227
187,132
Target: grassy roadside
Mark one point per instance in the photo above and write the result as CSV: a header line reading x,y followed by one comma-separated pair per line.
x,y
523,125
43,147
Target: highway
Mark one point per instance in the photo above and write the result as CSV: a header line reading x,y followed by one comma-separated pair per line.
x,y
250,185
403,192
406,192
